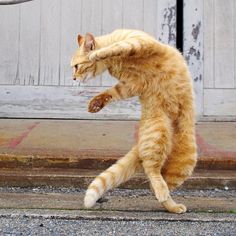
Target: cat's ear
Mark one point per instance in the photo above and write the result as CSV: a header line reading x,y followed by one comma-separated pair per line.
x,y
89,42
80,39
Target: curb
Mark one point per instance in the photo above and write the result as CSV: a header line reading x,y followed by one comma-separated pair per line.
x,y
93,159
115,215
81,178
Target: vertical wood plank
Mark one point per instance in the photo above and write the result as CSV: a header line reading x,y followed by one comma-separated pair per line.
x,y
234,27
29,43
111,20
224,44
91,22
108,80
91,16
150,13
111,15
220,102
166,21
209,43
50,42
70,27
9,43
193,47
133,14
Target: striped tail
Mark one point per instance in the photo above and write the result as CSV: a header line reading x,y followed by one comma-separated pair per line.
x,y
118,173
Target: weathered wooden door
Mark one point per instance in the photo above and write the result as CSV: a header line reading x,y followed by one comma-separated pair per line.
x,y
220,59
210,49
38,38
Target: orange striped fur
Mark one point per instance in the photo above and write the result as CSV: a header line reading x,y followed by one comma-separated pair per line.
x,y
159,76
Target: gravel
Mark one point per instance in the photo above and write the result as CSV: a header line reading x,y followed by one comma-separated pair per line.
x,y
226,193
27,226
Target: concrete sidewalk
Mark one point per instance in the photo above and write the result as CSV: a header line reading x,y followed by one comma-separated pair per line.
x,y
119,200
97,144
72,152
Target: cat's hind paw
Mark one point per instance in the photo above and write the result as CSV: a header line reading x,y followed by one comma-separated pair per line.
x,y
89,200
178,208
173,207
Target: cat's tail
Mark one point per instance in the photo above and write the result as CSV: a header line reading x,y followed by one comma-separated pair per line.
x,y
118,173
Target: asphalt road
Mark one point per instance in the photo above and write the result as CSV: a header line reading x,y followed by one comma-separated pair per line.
x,y
37,226
55,222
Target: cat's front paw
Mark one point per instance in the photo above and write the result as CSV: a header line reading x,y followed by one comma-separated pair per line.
x,y
93,57
98,102
98,55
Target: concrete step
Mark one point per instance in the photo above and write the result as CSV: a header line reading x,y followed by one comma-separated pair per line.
x,y
93,160
80,178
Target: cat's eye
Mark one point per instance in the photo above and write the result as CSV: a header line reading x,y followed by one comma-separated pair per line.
x,y
77,66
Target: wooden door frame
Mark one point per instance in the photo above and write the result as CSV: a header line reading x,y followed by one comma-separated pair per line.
x,y
193,48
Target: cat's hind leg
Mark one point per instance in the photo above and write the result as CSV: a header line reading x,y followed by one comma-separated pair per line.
x,y
178,168
118,173
182,159
155,137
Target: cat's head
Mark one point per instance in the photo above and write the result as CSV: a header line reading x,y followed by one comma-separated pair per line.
x,y
83,68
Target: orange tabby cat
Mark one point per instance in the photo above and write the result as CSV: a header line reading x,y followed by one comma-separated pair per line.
x,y
158,75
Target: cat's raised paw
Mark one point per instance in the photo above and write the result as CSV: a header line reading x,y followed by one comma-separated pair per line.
x,y
93,57
98,102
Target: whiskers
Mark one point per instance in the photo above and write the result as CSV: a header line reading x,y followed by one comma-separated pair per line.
x,y
79,88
